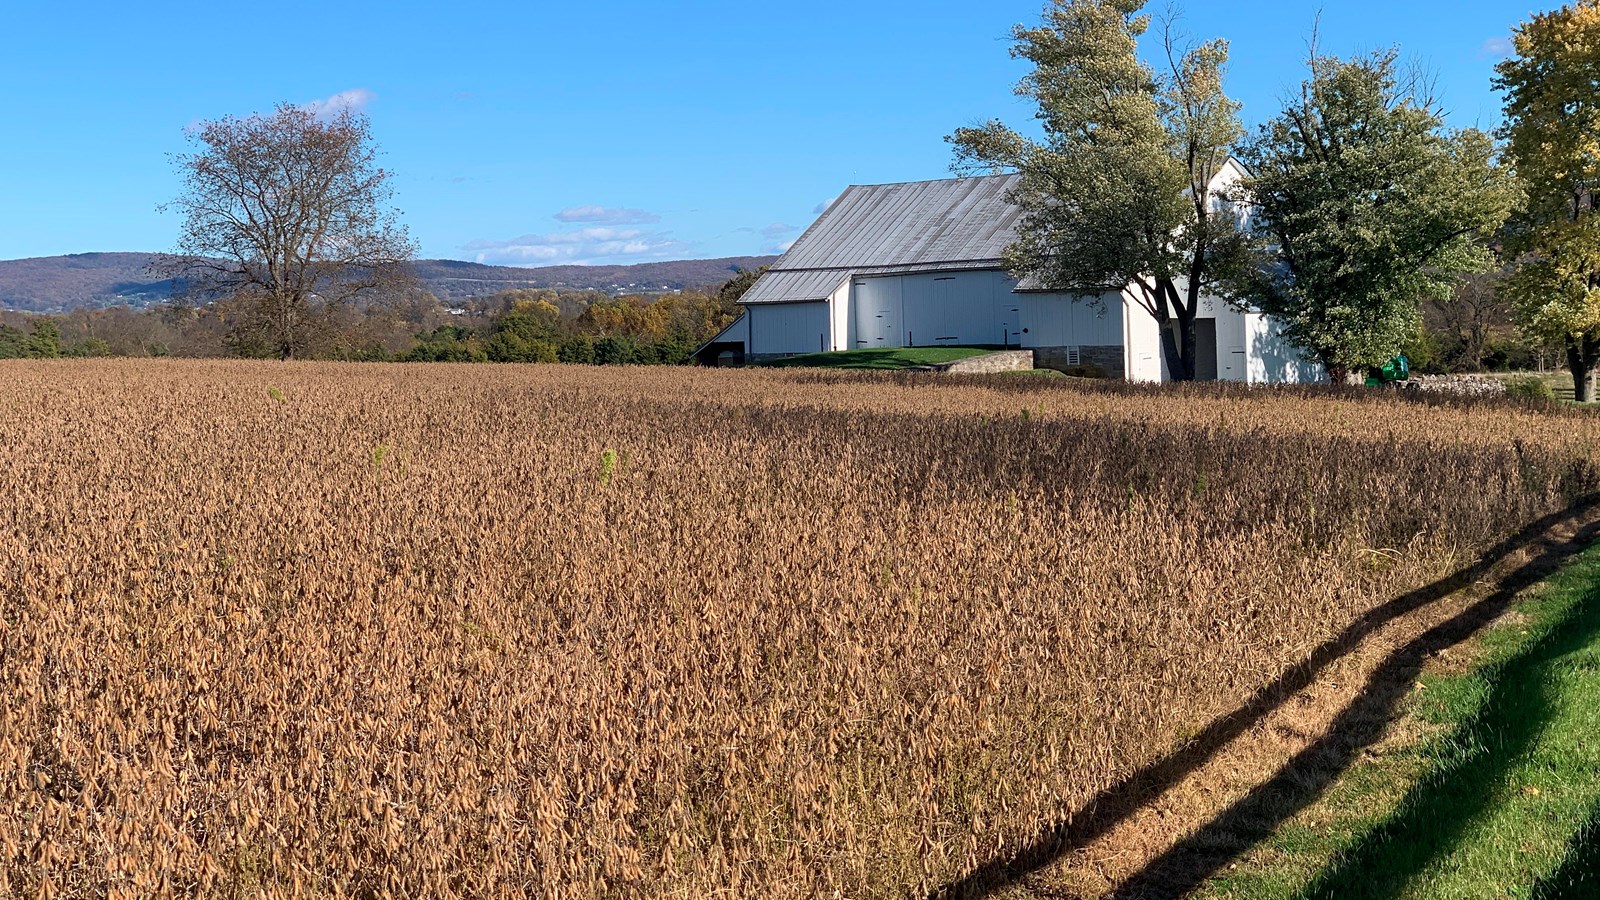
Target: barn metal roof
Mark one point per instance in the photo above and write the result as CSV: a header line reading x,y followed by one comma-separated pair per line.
x,y
915,226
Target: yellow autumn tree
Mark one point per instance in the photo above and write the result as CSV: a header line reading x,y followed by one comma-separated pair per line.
x,y
1553,141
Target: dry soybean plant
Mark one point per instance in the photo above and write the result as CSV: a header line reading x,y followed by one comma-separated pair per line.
x,y
357,631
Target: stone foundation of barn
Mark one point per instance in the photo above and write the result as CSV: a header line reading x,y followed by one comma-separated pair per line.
x,y
1107,359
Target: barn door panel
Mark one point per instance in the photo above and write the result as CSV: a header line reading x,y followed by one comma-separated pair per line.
x,y
1205,349
877,302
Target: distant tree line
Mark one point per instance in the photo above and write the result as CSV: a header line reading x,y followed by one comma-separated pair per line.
x,y
549,326
512,326
290,249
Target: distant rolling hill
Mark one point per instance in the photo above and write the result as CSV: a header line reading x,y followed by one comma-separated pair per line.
x,y
60,283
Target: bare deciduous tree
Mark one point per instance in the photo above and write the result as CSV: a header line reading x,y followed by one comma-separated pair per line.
x,y
287,215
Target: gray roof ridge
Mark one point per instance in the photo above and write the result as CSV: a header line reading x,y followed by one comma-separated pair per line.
x,y
916,264
931,180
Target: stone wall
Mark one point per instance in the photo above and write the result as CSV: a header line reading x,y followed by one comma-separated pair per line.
x,y
1107,359
1002,361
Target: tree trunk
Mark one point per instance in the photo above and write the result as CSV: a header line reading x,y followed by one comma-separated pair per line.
x,y
1177,347
1170,350
1338,373
1187,339
1162,313
1583,353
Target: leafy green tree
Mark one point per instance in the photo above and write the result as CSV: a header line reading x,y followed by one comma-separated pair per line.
x,y
14,343
532,321
675,351
45,342
1552,103
1369,206
576,350
448,343
735,288
616,351
528,332
1122,189
90,347
508,346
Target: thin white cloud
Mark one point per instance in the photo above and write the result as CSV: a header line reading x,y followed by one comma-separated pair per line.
x,y
606,215
784,247
777,230
824,205
355,100
1498,47
586,246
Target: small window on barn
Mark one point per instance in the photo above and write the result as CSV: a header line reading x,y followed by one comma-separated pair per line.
x,y
1074,356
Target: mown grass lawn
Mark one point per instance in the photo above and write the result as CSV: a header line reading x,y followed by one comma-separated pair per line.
x,y
1560,382
1500,798
879,358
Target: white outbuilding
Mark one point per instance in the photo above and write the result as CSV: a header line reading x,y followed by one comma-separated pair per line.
x,y
919,264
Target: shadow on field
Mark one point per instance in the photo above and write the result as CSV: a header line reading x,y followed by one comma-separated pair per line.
x,y
1579,872
1436,812
1303,778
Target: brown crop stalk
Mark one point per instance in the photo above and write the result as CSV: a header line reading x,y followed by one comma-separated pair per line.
x,y
802,635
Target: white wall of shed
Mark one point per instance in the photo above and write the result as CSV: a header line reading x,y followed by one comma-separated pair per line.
x,y
960,308
1272,359
787,327
1231,338
1145,362
1067,320
737,330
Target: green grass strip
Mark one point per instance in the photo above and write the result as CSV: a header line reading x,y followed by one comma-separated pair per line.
x,y
1502,800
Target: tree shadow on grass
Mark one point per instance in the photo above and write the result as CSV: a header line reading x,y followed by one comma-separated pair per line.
x,y
1578,875
879,359
1302,780
855,359
1433,817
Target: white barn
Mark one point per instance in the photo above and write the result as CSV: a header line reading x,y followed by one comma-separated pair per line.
x,y
919,264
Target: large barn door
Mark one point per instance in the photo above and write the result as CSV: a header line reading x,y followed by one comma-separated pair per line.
x,y
877,303
1008,316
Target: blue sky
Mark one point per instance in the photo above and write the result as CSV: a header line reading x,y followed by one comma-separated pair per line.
x,y
604,131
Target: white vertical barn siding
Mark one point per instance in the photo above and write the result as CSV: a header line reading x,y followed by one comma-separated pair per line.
x,y
1065,320
878,313
1008,311
787,327
737,330
1273,360
957,308
1231,344
1249,348
924,308
839,318
1144,360
929,309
